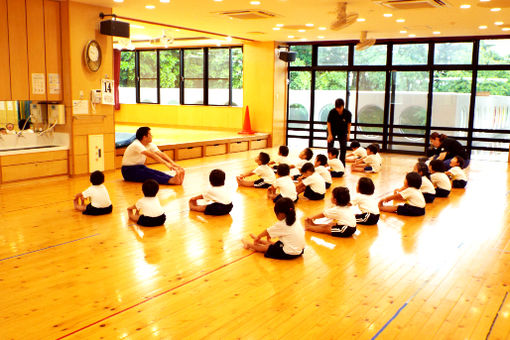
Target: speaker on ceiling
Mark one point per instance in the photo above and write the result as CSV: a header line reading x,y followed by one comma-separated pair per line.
x,y
287,56
115,28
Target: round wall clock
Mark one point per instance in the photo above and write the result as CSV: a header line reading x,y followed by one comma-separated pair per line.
x,y
92,54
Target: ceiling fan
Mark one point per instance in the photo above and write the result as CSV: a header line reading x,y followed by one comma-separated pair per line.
x,y
343,19
364,43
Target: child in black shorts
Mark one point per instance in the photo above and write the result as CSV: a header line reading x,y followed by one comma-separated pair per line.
x,y
218,197
147,211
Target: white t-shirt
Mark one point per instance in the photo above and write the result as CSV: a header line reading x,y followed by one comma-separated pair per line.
x,y
426,186
324,173
341,215
292,236
266,173
282,160
375,161
441,181
287,187
150,206
336,165
316,183
458,174
133,154
413,197
299,164
99,197
366,203
218,194
360,152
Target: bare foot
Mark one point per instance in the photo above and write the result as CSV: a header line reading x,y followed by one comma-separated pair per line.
x,y
246,245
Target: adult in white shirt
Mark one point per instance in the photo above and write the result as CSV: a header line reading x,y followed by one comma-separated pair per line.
x,y
133,162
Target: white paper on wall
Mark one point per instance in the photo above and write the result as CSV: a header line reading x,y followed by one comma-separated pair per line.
x,y
38,83
80,107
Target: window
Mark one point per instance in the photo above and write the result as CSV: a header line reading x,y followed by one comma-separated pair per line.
x,y
169,77
237,76
453,53
219,70
127,83
410,54
333,55
194,76
494,52
148,81
304,55
375,55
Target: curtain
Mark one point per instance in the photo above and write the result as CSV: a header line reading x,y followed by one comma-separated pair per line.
x,y
116,76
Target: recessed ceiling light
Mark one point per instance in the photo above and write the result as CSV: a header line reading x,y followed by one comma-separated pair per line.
x,y
303,39
150,6
309,25
279,25
505,29
322,28
254,2
403,32
218,0
485,0
387,15
164,1
412,35
320,37
482,27
118,0
136,26
361,19
301,31
401,20
465,6
436,32
499,23
228,39
497,9
291,36
276,28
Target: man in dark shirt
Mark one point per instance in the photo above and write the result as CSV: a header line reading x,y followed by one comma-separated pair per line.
x,y
339,126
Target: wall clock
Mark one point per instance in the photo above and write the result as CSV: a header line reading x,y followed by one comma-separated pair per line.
x,y
92,55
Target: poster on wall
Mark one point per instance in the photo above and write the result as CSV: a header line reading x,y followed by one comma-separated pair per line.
x,y
38,83
107,96
53,83
80,107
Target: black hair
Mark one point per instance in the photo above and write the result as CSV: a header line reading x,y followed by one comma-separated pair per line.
x,y
283,150
377,146
96,178
217,178
23,124
339,103
355,144
413,180
437,165
423,169
323,160
460,160
264,158
373,148
333,152
283,170
3,129
308,153
342,196
150,188
142,132
285,206
307,167
366,186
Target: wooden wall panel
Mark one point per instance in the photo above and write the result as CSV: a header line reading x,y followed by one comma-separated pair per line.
x,y
18,53
53,49
5,75
36,49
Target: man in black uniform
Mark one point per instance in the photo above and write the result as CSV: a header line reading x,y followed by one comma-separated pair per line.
x,y
339,126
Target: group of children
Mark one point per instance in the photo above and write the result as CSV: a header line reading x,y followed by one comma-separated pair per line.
x,y
291,179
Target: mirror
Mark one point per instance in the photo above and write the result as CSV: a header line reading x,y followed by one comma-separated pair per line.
x,y
18,115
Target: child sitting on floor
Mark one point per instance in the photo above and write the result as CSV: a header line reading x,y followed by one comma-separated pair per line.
x,y
217,196
358,152
291,243
147,211
343,222
366,202
410,193
282,158
458,176
320,167
371,163
336,167
100,203
305,156
266,174
311,183
439,178
427,188
284,185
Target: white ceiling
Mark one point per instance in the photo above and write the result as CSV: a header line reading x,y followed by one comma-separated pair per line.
x,y
295,14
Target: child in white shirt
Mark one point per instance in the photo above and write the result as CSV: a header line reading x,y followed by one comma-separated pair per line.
x,y
282,158
458,176
358,152
217,196
311,183
320,167
366,202
371,163
291,243
336,166
305,156
266,174
147,211
439,178
343,222
284,185
100,203
410,193
427,188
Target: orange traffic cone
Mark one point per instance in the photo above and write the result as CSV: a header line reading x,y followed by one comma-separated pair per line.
x,y
247,125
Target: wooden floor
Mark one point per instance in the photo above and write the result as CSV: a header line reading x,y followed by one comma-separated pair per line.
x,y
64,275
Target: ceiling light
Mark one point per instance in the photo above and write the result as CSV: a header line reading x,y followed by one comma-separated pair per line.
x,y
403,32
254,2
497,9
322,28
303,39
309,25
136,26
465,6
276,28
436,32
361,19
505,29
118,0
164,1
291,36
485,0
499,23
218,0
412,35
482,27
320,37
387,15
301,31
150,6
228,39
401,20
279,25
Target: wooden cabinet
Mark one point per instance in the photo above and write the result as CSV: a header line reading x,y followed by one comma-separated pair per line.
x,y
36,50
216,149
189,152
34,165
53,50
258,144
5,75
238,147
18,54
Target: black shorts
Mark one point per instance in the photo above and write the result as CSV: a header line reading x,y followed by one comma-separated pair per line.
x,y
280,196
93,211
218,209
275,251
429,198
146,221
459,183
312,195
328,185
367,218
295,177
261,184
410,210
337,174
342,231
442,192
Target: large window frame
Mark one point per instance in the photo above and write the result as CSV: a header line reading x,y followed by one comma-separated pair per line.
x,y
313,130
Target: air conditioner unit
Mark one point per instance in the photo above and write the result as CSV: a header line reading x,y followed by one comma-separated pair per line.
x,y
248,14
412,4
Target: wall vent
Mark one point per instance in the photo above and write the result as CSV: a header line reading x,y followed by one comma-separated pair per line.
x,y
247,14
412,4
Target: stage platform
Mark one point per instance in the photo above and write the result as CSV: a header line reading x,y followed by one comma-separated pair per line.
x,y
180,144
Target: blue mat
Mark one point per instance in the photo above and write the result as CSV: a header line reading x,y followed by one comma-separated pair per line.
x,y
123,139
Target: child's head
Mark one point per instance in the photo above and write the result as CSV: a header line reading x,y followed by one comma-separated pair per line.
x,y
150,188
283,151
307,169
332,153
437,165
97,178
10,126
217,178
366,186
283,170
457,161
3,131
284,209
263,158
372,149
413,180
321,160
422,169
355,144
341,196
306,154
143,131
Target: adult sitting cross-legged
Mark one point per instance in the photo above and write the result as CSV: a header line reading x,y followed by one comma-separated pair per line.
x,y
133,162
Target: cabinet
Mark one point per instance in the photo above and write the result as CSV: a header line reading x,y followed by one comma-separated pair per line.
x,y
53,50
33,165
36,50
5,75
18,55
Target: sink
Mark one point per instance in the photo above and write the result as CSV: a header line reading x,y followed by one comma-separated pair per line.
x,y
30,147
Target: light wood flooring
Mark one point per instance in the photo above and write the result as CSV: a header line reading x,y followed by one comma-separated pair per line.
x,y
64,275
